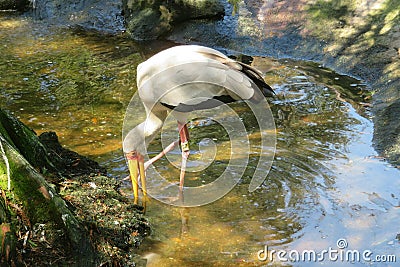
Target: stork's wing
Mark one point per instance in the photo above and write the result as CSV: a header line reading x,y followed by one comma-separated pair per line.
x,y
195,77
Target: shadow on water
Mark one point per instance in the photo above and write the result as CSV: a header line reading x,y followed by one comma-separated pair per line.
x,y
326,182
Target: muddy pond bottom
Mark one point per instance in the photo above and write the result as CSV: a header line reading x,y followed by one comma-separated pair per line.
x,y
326,200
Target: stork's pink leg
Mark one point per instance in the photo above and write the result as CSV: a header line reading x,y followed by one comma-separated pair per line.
x,y
162,154
184,136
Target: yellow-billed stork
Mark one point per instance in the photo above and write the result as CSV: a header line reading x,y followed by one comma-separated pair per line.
x,y
183,79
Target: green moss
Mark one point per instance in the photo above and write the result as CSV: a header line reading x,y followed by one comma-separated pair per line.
x,y
100,206
325,16
3,176
331,10
25,192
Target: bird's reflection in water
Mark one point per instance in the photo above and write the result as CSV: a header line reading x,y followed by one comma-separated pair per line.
x,y
185,221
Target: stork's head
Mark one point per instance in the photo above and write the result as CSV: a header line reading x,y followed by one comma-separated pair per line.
x,y
134,141
134,149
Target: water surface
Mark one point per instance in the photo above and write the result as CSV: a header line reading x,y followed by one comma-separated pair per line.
x,y
326,182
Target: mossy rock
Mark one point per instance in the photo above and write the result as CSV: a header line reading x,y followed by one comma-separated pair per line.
x,y
79,219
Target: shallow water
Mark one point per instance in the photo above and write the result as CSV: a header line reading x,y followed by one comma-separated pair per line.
x,y
326,182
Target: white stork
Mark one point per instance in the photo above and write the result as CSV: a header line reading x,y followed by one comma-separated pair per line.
x,y
183,79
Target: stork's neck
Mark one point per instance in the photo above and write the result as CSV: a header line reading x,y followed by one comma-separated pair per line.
x,y
152,126
139,137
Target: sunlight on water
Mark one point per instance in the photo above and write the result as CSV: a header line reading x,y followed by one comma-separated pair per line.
x,y
326,181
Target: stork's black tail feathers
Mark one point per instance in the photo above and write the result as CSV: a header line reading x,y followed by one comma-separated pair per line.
x,y
256,77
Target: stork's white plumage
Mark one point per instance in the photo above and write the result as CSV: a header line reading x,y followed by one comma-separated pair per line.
x,y
183,79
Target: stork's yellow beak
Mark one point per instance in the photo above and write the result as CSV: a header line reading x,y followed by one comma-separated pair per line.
x,y
136,169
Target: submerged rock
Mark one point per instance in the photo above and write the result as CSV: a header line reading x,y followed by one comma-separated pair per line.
x,y
387,124
20,5
68,162
146,20
104,16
